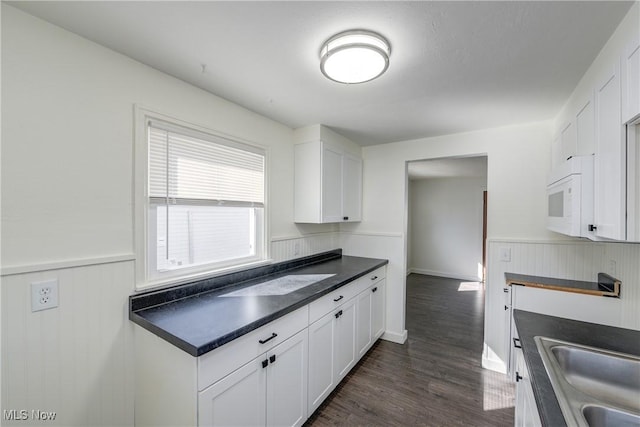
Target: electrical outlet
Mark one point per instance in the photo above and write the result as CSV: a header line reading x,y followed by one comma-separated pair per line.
x,y
44,295
505,254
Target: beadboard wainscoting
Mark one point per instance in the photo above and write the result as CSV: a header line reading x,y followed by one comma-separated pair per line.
x,y
391,247
285,248
578,260
75,360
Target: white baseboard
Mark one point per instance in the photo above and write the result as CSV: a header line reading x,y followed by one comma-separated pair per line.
x,y
494,365
395,337
444,274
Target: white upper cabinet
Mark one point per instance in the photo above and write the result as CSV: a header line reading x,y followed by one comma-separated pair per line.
x,y
610,159
568,141
332,175
630,72
585,127
602,118
327,184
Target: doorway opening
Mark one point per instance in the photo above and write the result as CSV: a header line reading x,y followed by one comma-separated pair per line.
x,y
447,217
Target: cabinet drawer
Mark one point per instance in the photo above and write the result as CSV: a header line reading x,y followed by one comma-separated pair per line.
x,y
324,305
231,356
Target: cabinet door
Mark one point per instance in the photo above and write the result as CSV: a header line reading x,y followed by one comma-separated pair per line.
x,y
287,382
631,81
352,188
363,321
378,309
236,400
568,141
521,400
585,128
321,349
331,184
345,339
610,164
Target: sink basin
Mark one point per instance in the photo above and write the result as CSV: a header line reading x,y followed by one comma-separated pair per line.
x,y
594,387
604,376
603,416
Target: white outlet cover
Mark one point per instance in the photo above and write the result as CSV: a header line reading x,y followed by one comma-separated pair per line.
x,y
505,254
44,295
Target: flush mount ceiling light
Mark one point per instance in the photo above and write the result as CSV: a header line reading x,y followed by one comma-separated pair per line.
x,y
355,56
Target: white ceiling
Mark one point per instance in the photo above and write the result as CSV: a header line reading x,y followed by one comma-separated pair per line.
x,y
455,66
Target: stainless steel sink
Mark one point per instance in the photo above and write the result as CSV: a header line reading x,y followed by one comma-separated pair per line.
x,y
594,387
605,416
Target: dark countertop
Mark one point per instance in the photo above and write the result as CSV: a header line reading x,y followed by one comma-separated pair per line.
x,y
591,334
197,318
605,286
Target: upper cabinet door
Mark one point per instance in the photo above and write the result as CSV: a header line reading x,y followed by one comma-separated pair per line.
x,y
331,184
585,128
610,164
352,188
630,73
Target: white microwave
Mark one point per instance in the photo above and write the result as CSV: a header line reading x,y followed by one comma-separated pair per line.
x,y
570,197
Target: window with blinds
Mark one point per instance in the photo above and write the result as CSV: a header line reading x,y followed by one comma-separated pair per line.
x,y
206,199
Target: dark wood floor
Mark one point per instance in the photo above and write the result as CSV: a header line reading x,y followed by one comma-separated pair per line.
x,y
435,378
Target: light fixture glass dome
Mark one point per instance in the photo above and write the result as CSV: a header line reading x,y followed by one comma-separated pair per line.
x,y
355,56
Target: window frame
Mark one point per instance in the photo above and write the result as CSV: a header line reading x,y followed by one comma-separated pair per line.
x,y
144,238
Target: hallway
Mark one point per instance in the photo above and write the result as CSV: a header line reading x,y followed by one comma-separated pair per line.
x,y
435,378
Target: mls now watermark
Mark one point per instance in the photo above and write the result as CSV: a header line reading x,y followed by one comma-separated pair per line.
x,y
26,415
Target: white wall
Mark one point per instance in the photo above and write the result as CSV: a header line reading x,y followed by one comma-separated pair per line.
x,y
67,212
445,227
577,260
518,162
610,54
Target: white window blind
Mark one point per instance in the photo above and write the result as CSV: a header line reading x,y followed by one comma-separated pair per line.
x,y
206,199
189,169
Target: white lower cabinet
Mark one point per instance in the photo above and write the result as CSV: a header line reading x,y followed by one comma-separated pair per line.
x,y
378,291
345,339
321,350
370,315
236,400
332,351
526,410
339,338
364,322
276,375
270,390
287,382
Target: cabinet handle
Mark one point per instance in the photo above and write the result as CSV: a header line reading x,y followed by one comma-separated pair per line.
x,y
338,314
506,307
265,362
516,343
505,290
518,376
374,277
374,289
338,299
592,227
273,335
272,358
345,218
